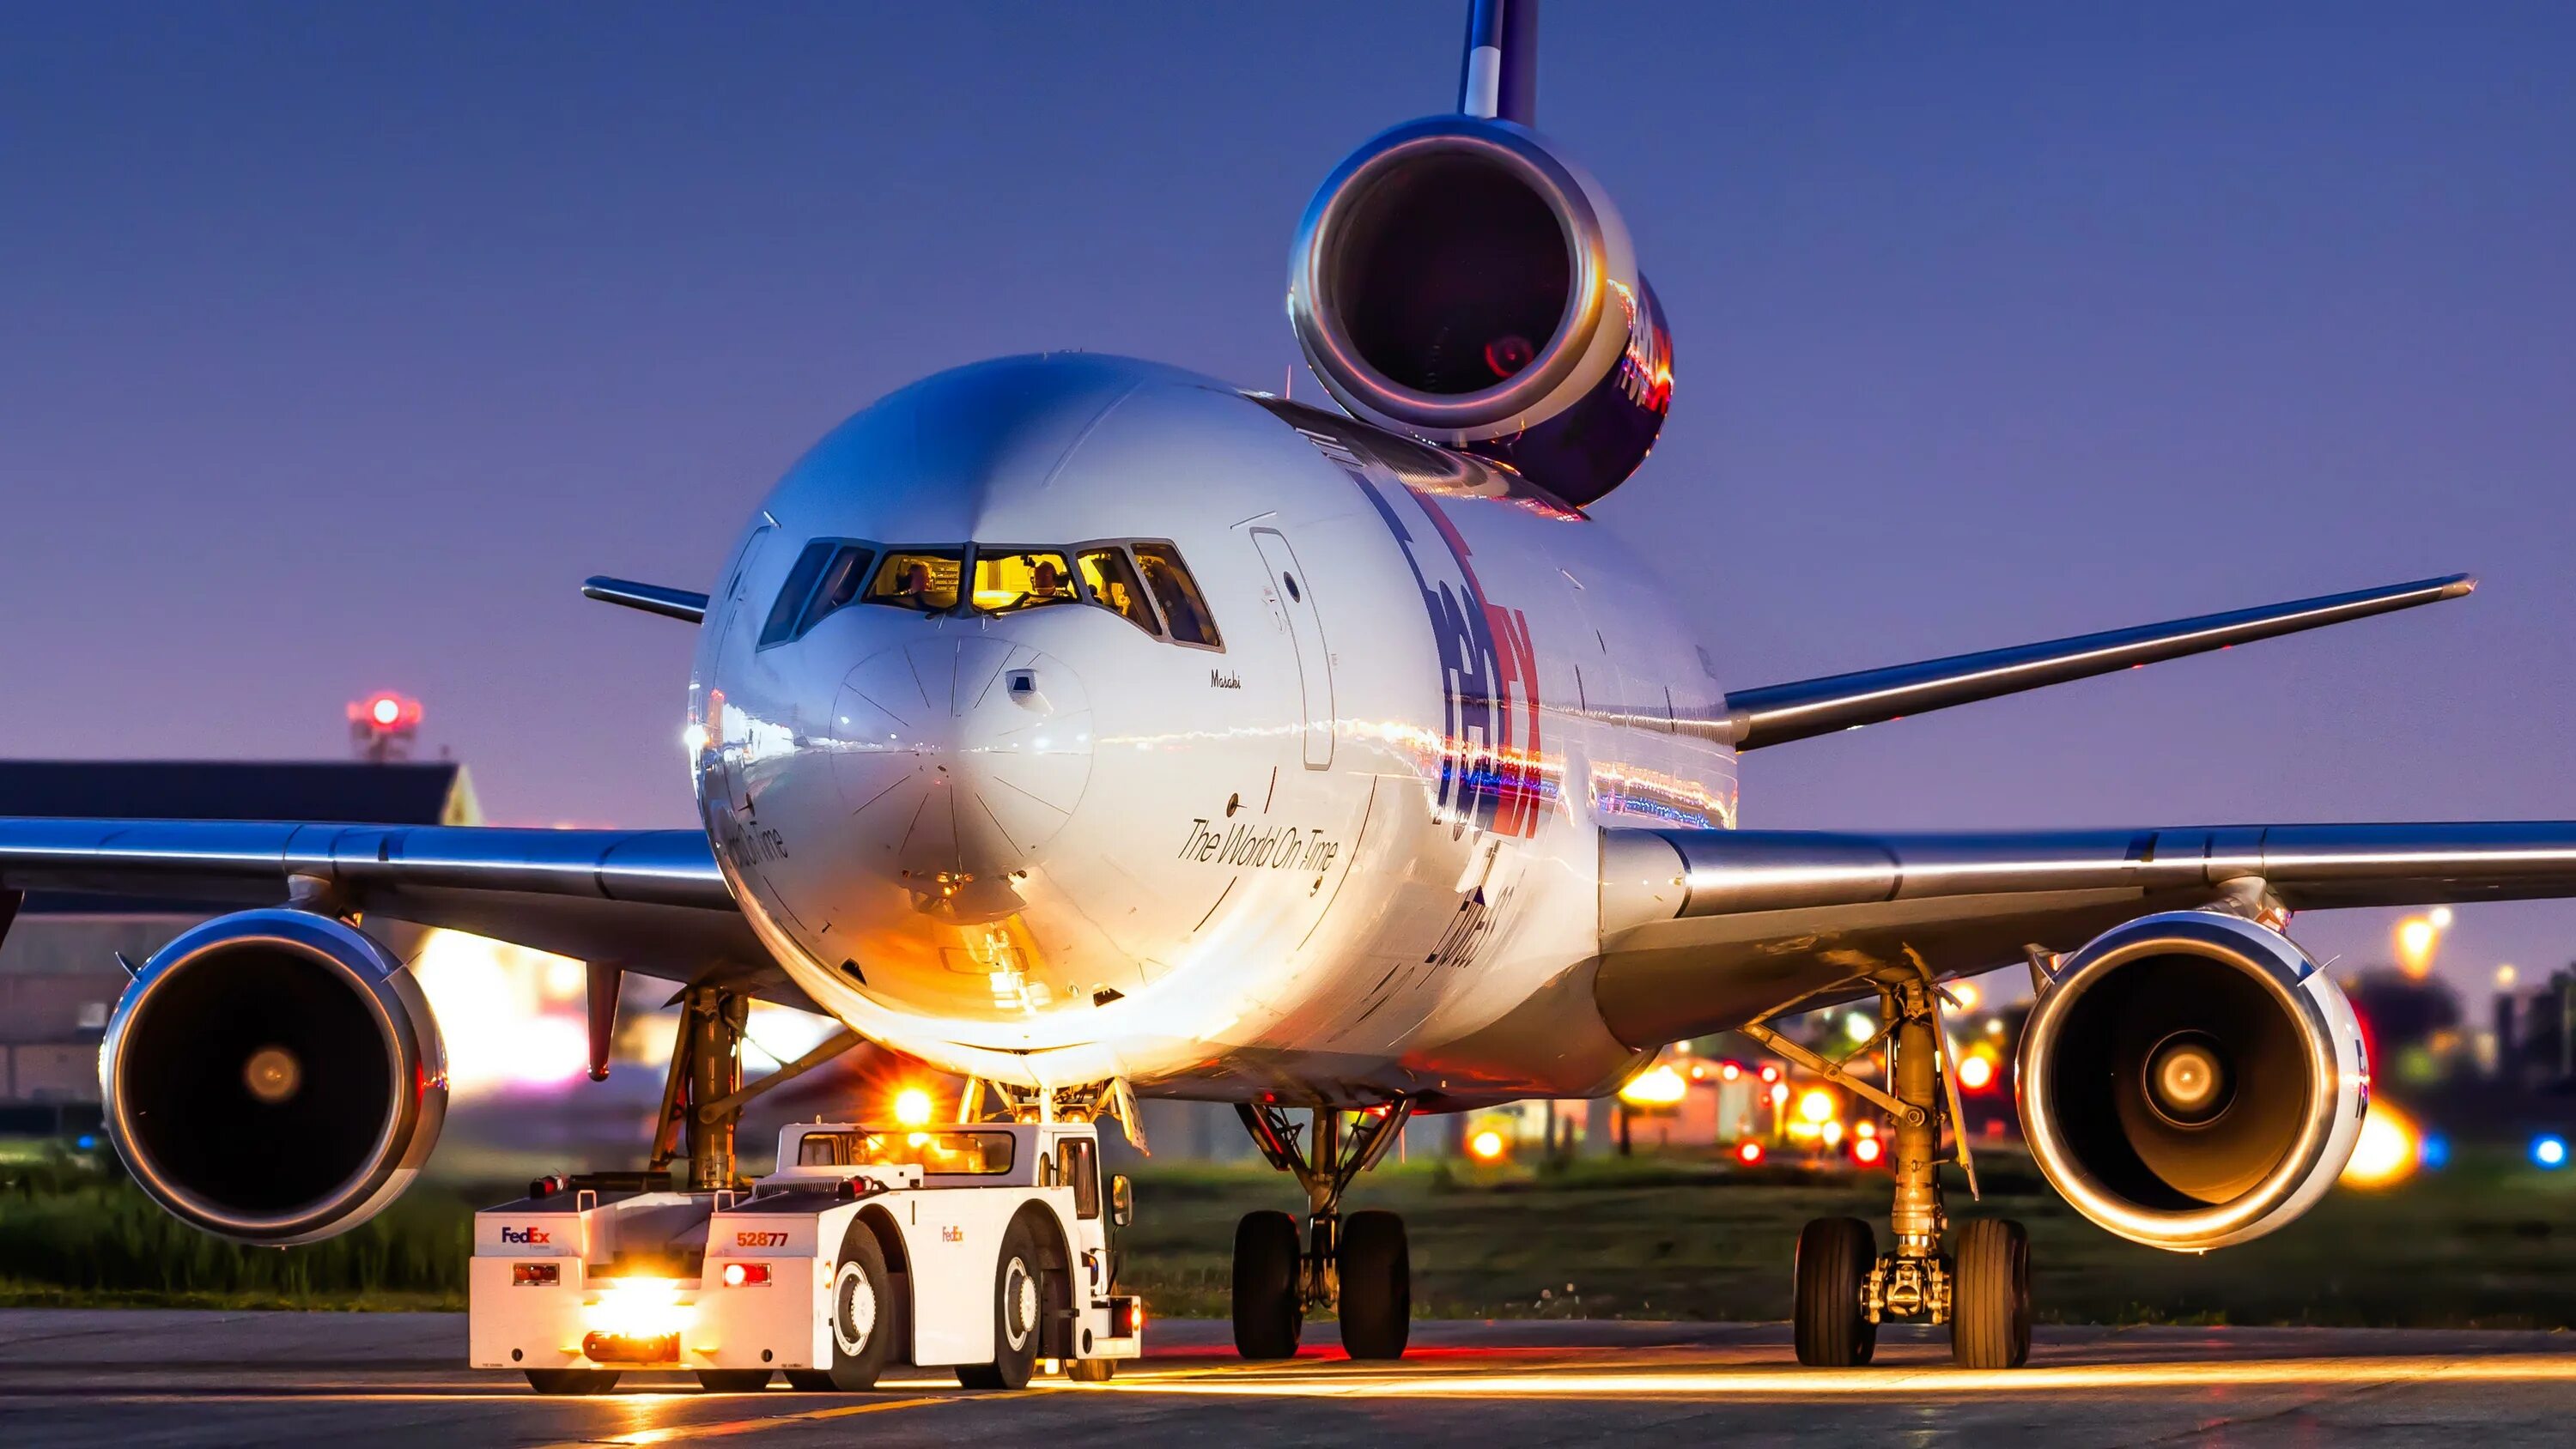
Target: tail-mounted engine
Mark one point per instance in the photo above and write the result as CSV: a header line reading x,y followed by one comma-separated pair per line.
x,y
273,1076
2191,1080
1458,280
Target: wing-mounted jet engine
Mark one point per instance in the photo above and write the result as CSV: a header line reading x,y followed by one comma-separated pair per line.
x,y
2192,1079
274,1076
1458,279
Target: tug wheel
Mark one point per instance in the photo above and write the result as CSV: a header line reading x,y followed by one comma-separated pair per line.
x,y
1019,1313
862,1310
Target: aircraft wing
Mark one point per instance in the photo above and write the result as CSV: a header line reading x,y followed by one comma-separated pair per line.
x,y
1703,930
651,901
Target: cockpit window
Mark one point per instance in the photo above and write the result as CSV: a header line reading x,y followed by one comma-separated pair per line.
x,y
799,588
1112,583
826,576
1178,593
918,579
1008,582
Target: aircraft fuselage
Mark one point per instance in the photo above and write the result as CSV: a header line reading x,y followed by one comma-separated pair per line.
x,y
1042,832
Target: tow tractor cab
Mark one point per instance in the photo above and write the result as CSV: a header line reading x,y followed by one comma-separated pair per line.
x,y
988,1247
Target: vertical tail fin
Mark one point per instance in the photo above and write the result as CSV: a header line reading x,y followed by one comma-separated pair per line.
x,y
1500,77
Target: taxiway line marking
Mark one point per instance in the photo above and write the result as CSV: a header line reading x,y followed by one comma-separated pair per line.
x,y
727,1428
2503,1368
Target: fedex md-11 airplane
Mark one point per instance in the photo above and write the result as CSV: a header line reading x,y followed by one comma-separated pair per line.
x,y
1096,730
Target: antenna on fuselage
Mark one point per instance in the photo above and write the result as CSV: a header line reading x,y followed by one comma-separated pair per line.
x,y
1500,78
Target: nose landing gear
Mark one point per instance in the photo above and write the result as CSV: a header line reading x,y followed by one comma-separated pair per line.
x,y
1845,1287
1361,1267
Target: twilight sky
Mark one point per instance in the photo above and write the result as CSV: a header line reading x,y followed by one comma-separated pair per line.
x,y
337,343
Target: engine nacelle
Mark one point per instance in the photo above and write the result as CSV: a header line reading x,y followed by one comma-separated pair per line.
x,y
273,1076
1458,280
2192,1079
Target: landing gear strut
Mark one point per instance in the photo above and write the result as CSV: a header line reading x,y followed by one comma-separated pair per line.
x,y
703,1098
1845,1287
1361,1266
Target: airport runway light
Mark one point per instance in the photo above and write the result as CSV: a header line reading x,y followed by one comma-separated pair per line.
x,y
912,1107
1486,1146
1658,1086
2384,1155
2434,1152
2549,1152
1817,1106
1749,1152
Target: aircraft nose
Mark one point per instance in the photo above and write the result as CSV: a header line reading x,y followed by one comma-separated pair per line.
x,y
959,759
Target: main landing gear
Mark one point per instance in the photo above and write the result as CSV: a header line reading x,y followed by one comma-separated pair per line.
x,y
1845,1286
1359,1265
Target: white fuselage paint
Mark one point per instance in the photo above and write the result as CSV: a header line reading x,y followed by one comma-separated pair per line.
x,y
1353,852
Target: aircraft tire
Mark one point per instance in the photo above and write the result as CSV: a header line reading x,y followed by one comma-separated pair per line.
x,y
1834,1258
1091,1370
1377,1286
1990,1295
1267,1262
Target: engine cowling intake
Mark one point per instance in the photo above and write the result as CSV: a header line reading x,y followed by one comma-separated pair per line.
x,y
273,1076
1458,280
2191,1080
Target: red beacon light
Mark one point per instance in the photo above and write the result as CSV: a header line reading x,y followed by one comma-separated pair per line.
x,y
745,1275
1867,1151
1749,1152
1770,1073
382,725
1729,1071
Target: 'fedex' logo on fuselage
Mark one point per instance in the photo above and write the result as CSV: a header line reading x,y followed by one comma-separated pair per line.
x,y
527,1236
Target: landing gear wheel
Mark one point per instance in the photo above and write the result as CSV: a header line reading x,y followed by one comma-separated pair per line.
x,y
1267,1263
863,1318
733,1381
1377,1286
1990,1295
1834,1258
572,1381
1019,1308
1091,1370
